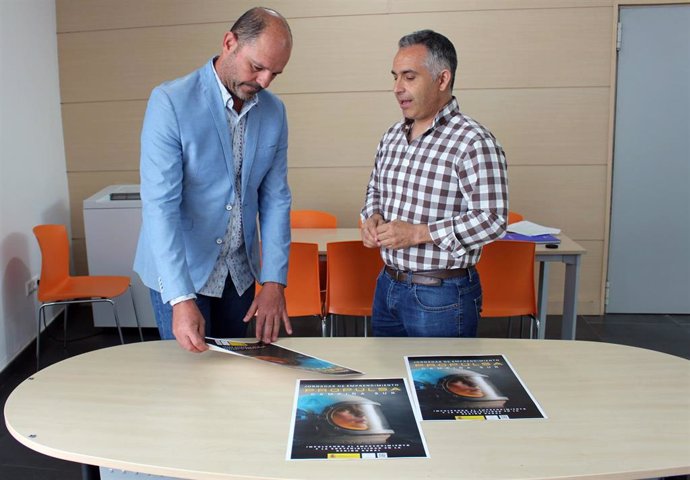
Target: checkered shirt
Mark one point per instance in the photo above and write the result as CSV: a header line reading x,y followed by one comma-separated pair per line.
x,y
452,178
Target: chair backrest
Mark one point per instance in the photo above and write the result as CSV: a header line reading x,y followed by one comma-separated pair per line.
x,y
303,293
54,245
506,272
352,272
312,219
514,217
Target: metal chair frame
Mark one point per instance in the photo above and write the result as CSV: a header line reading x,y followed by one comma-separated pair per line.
x,y
67,303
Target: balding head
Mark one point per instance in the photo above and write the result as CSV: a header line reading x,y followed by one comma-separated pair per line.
x,y
256,21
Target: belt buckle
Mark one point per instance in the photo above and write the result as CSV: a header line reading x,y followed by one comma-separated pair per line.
x,y
427,280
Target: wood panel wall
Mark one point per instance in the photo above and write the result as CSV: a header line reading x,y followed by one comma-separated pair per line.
x,y
538,73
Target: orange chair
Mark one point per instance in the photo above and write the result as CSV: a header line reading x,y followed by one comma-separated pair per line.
x,y
58,287
303,291
506,272
352,273
312,219
514,217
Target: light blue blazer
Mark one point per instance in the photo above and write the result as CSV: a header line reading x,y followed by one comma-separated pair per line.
x,y
187,185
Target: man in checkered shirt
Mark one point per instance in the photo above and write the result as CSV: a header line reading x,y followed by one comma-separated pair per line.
x,y
437,193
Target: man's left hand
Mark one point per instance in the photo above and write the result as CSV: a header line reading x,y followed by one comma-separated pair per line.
x,y
269,309
398,234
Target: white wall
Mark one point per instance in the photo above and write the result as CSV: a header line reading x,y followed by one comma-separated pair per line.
x,y
33,180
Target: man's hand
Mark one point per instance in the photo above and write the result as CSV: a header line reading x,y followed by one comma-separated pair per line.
x,y
369,235
270,311
189,326
398,234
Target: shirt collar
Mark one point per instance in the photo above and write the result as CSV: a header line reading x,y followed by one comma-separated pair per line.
x,y
227,98
442,117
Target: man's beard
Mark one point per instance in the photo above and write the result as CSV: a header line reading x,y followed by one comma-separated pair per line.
x,y
243,94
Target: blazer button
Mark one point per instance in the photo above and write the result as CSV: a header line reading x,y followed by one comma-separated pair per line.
x,y
219,241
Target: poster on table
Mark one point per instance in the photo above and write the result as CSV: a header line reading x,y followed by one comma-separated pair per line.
x,y
354,419
470,387
274,353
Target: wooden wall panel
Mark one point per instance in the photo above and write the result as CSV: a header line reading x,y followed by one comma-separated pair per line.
x,y
85,15
497,49
126,64
102,136
571,198
544,126
337,190
564,127
337,130
411,6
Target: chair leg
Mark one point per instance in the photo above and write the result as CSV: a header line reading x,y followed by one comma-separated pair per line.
x,y
323,326
533,322
38,338
366,326
64,326
136,317
117,319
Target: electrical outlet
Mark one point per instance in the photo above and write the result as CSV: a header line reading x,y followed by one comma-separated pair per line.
x,y
31,285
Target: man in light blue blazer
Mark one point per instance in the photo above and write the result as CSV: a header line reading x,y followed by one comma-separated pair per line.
x,y
213,160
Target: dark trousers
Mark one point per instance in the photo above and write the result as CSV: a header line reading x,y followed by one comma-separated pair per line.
x,y
223,315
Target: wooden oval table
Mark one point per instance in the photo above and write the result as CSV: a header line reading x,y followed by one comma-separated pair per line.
x,y
613,412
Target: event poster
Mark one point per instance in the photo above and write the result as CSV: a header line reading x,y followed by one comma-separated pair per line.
x,y
354,419
471,387
274,353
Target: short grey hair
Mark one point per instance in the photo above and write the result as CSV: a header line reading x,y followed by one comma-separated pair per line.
x,y
440,52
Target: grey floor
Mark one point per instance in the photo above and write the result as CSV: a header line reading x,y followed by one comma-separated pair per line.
x,y
665,333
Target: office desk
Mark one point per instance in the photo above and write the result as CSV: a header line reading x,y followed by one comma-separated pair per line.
x,y
568,252
613,412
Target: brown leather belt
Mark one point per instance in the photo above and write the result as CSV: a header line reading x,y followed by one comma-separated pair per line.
x,y
432,278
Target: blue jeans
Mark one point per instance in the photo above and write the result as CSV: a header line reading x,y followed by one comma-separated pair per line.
x,y
404,309
223,315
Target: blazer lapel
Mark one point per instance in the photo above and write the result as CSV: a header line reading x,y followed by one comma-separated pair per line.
x,y
215,105
251,141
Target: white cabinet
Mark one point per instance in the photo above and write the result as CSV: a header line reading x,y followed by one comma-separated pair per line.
x,y
112,219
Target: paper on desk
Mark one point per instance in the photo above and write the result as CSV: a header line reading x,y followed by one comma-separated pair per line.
x,y
529,228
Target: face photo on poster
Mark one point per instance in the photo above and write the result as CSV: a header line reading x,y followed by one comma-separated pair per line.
x,y
471,387
354,419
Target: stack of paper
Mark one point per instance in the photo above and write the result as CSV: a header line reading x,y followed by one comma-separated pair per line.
x,y
531,232
529,228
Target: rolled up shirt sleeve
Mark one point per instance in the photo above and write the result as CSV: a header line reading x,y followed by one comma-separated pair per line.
x,y
482,177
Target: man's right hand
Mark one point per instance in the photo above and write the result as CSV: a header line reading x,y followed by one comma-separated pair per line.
x,y
189,326
369,235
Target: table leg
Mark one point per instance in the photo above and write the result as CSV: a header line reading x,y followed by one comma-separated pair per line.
x,y
542,299
90,472
570,294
